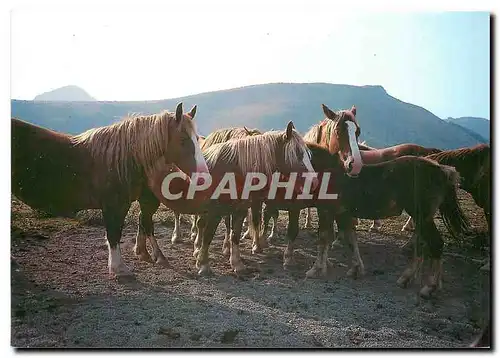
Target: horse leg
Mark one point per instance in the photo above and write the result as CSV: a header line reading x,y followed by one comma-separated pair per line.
x,y
258,244
435,245
409,225
326,234
149,204
291,235
226,246
211,224
246,234
307,223
194,218
270,213
177,228
234,258
200,222
376,225
114,216
346,227
415,265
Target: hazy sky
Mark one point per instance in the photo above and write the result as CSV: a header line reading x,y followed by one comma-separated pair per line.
x,y
440,61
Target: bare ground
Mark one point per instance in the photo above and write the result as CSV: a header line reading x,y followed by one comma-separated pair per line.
x,y
62,296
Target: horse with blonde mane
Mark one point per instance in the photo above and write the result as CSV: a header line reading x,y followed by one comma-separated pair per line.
x,y
218,136
276,151
103,168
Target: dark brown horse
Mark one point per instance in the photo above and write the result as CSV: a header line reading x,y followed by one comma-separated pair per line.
x,y
103,168
415,184
372,155
474,167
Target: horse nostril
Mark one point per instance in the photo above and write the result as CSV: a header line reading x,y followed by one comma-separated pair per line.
x,y
349,166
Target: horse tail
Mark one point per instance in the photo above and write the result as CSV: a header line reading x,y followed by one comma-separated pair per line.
x,y
453,216
254,221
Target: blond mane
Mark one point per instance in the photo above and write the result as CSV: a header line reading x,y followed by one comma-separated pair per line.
x,y
325,127
135,141
225,134
257,153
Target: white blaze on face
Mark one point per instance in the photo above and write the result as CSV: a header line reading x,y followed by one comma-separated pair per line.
x,y
201,164
353,144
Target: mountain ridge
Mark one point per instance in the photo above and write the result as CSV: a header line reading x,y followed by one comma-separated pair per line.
x,y
67,93
384,119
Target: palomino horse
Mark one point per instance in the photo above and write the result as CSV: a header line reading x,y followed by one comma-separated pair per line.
x,y
372,155
415,184
103,168
218,136
270,154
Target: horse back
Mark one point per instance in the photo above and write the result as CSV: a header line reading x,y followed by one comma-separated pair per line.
x,y
48,172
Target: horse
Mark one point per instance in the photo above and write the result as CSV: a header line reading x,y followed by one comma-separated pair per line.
x,y
271,153
474,166
416,184
338,132
102,168
218,136
371,155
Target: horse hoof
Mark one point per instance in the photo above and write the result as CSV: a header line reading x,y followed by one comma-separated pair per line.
x,y
175,239
193,237
226,251
121,272
355,272
336,243
256,249
205,270
287,264
426,292
162,261
374,229
402,282
195,253
240,268
316,272
144,256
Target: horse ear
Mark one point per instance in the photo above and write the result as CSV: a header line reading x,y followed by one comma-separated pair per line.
x,y
192,112
289,129
328,112
178,112
247,130
353,110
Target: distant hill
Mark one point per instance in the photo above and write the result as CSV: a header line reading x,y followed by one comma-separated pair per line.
x,y
66,93
384,120
480,126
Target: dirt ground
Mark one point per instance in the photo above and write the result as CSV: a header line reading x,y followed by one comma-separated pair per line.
x,y
62,296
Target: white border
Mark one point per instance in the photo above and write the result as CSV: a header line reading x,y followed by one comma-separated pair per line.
x,y
335,7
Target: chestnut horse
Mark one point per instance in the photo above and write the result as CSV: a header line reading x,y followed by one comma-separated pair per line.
x,y
372,155
417,185
103,168
283,152
218,136
339,133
